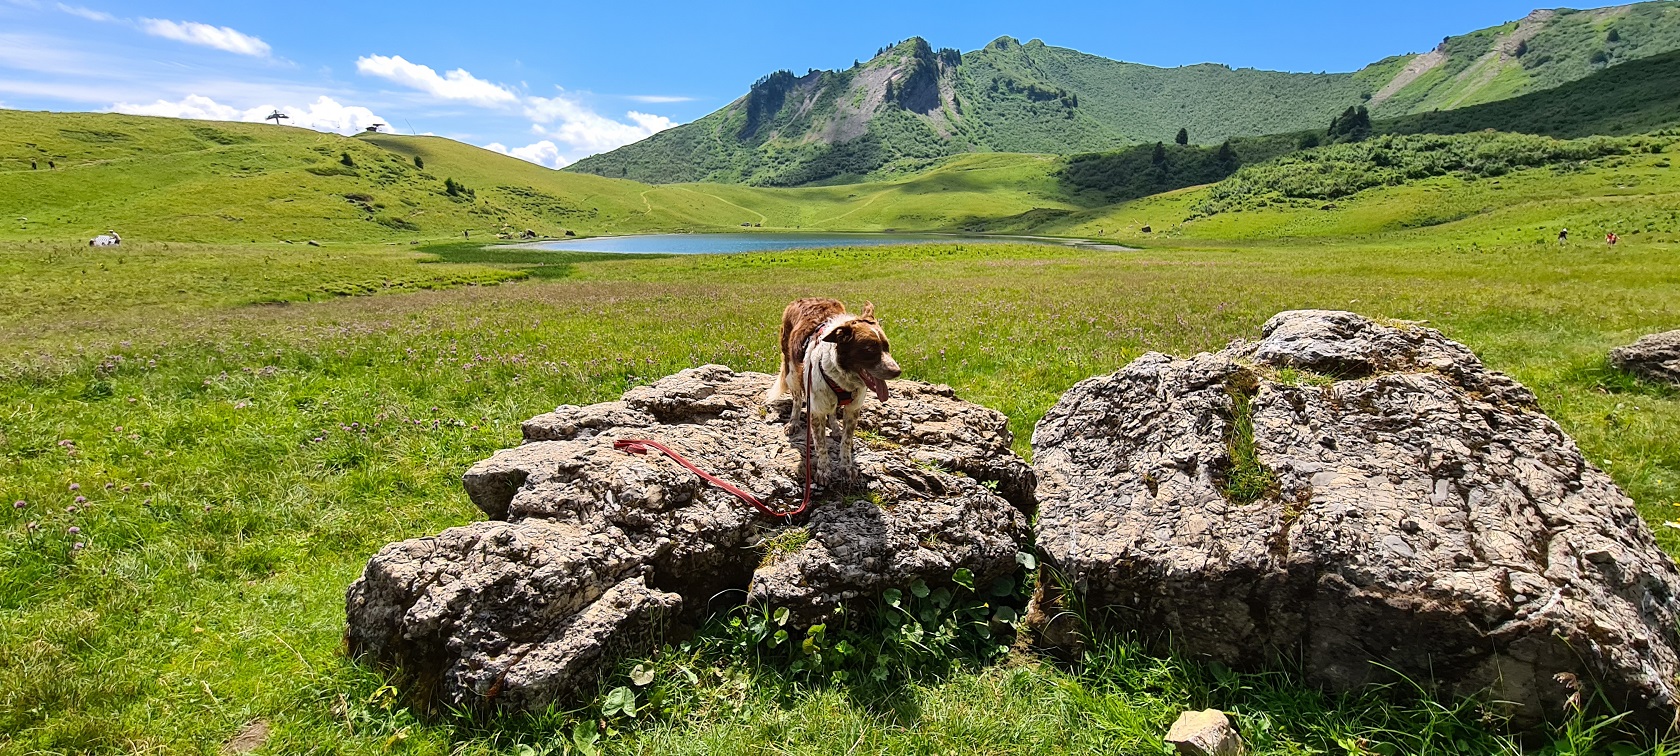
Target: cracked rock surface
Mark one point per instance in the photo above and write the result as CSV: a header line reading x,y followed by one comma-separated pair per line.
x,y
592,552
1655,357
1408,509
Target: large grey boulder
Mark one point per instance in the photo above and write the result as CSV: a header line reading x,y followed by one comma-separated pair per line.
x,y
1362,497
1655,357
592,552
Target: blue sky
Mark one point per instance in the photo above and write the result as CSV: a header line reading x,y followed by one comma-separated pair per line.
x,y
553,82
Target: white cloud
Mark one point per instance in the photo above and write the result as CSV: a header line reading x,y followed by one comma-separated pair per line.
x,y
325,114
585,131
453,85
571,129
205,35
87,13
545,153
658,99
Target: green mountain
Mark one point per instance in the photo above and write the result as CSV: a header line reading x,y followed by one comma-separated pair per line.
x,y
911,105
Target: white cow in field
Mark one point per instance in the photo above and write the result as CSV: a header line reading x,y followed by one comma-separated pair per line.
x,y
107,239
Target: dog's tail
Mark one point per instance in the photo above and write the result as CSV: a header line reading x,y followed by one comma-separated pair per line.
x,y
778,389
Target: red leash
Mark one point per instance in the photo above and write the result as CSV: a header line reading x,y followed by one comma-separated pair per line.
x,y
641,446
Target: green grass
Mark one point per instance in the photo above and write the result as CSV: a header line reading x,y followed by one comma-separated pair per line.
x,y
257,455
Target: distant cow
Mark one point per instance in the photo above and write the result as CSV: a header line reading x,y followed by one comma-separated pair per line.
x,y
107,239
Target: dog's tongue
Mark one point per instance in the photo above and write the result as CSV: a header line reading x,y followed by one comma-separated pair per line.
x,y
875,384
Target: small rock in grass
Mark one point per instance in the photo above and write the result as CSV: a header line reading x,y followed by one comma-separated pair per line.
x,y
1205,733
1655,357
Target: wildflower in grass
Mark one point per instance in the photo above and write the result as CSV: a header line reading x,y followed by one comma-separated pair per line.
x,y
75,486
74,530
33,526
71,509
78,546
109,486
19,504
81,499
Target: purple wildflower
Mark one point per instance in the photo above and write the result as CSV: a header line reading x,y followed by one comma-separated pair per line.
x,y
81,499
75,486
19,504
74,530
78,546
70,510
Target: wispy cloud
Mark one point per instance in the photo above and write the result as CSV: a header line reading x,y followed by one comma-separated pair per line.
x,y
87,13
205,35
658,99
453,85
191,32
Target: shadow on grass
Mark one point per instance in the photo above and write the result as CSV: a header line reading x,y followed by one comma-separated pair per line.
x,y
1600,375
535,263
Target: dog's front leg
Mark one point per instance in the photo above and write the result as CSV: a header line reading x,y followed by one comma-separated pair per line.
x,y
819,425
848,436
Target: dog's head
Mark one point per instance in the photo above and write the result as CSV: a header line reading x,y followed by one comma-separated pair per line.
x,y
863,349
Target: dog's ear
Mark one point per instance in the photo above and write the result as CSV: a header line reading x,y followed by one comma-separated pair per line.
x,y
840,335
868,311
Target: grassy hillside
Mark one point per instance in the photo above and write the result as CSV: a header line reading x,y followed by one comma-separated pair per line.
x,y
176,180
189,181
1546,49
1510,189
911,105
1631,98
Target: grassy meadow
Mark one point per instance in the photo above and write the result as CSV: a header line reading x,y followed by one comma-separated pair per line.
x,y
208,441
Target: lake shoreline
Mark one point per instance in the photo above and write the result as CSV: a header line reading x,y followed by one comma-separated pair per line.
x,y
738,242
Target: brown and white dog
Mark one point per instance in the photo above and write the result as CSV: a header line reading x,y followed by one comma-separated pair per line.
x,y
831,361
